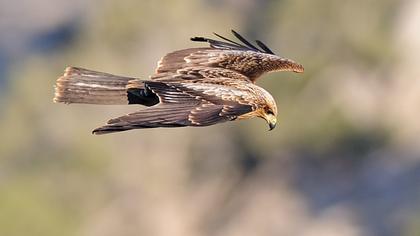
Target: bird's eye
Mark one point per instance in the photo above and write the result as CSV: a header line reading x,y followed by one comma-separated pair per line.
x,y
269,112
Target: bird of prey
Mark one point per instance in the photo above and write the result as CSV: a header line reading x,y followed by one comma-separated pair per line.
x,y
191,87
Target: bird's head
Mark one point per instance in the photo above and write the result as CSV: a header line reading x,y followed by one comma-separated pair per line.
x,y
268,111
269,114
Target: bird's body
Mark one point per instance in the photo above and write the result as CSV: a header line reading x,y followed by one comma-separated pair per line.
x,y
191,87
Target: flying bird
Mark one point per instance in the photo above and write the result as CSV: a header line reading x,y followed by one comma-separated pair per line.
x,y
190,87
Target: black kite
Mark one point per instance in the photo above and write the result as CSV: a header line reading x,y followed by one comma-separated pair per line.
x,y
191,87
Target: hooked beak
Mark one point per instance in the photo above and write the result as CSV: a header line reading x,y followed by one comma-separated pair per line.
x,y
272,121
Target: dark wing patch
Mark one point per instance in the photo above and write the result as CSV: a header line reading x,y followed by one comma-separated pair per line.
x,y
232,45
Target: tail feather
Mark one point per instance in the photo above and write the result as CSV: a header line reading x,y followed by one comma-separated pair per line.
x,y
79,85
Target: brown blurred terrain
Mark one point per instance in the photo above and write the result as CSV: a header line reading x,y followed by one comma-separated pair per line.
x,y
343,160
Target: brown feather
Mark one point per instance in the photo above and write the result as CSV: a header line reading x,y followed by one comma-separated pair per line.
x,y
180,106
79,85
251,64
191,87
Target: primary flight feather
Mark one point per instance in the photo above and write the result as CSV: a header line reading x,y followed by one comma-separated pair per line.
x,y
191,87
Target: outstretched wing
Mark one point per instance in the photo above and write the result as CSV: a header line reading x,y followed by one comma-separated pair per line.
x,y
246,58
185,104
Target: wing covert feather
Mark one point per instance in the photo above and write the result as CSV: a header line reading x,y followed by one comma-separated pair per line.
x,y
180,105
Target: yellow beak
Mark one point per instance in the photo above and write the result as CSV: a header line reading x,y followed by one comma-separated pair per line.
x,y
271,120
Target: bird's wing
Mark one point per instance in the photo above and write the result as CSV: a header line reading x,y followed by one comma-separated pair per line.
x,y
199,73
185,104
245,59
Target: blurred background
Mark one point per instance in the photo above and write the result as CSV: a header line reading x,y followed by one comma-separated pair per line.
x,y
343,160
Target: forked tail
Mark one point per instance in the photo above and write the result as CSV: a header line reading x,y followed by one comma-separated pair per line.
x,y
79,85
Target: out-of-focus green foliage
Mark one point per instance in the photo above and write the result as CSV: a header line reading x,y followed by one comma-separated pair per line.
x,y
344,159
